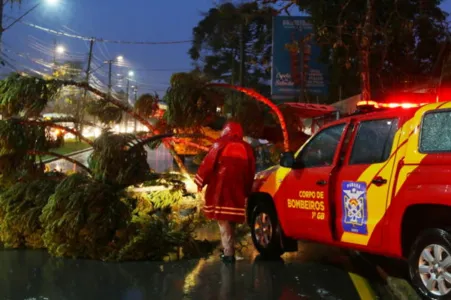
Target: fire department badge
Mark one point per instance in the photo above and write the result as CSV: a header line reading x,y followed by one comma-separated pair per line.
x,y
355,212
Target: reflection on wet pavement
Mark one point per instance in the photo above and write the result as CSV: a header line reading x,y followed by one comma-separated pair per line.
x,y
314,272
28,274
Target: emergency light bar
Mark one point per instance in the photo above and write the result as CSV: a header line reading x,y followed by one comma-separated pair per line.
x,y
375,104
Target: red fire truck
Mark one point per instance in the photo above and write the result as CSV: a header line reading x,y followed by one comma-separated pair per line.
x,y
377,182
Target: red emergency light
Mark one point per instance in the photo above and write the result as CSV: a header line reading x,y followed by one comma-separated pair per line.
x,y
374,104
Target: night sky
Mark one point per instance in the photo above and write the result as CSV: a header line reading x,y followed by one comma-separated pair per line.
x,y
132,20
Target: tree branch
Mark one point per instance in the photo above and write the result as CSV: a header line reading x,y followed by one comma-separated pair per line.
x,y
53,125
42,153
127,109
339,24
107,98
259,97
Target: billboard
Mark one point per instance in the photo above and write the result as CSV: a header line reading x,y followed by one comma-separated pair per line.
x,y
295,60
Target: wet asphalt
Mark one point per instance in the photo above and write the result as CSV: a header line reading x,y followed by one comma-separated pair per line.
x,y
315,272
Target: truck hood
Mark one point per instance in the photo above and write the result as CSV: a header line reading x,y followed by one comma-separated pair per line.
x,y
262,177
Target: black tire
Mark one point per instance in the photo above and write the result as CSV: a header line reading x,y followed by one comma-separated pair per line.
x,y
425,238
274,248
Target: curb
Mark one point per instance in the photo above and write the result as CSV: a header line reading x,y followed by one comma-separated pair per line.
x,y
398,288
47,161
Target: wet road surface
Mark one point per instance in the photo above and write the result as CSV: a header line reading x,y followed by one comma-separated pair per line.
x,y
314,272
160,160
309,274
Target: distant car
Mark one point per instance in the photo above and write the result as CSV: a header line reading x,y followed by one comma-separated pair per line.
x,y
56,137
377,182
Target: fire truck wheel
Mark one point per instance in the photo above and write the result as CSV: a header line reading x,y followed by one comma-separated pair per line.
x,y
266,232
430,264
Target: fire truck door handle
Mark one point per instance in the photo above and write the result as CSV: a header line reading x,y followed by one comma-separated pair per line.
x,y
321,182
379,181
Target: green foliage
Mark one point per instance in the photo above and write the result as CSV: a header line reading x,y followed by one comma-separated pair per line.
x,y
81,218
191,103
251,114
216,43
20,208
16,140
153,238
157,234
147,105
106,112
25,96
162,199
68,96
119,159
404,40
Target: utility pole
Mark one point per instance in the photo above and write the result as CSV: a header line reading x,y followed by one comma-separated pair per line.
x,y
135,92
81,106
110,84
54,56
127,103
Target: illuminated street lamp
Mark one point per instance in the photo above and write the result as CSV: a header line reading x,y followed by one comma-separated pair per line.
x,y
4,28
52,2
60,49
57,50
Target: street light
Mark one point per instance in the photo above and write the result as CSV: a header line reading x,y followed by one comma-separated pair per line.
x,y
60,49
131,73
52,2
120,58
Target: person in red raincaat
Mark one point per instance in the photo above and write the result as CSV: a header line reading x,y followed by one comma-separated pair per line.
x,y
228,171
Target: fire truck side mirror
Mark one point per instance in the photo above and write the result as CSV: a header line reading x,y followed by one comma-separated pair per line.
x,y
287,160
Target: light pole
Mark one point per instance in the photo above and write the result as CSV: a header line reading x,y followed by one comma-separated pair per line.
x,y
130,75
57,50
135,92
110,62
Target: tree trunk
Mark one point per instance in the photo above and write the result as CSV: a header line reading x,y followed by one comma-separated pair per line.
x,y
365,50
365,83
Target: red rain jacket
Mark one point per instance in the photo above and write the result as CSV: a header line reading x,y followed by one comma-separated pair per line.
x,y
228,170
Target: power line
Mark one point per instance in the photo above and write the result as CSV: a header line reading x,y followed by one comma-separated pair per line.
x,y
161,70
101,40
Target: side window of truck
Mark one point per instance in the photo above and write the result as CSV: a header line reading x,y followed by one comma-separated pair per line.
x,y
435,135
320,151
373,142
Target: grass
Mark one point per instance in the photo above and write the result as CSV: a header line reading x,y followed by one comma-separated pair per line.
x,y
70,145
